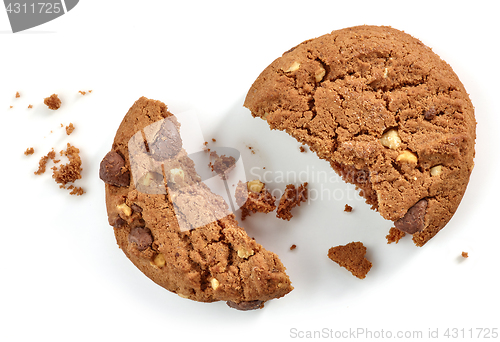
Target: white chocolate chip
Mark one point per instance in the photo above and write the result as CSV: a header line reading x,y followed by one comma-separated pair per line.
x,y
255,186
294,67
264,117
147,179
176,175
159,260
436,170
244,253
391,139
320,74
125,209
215,283
385,73
407,156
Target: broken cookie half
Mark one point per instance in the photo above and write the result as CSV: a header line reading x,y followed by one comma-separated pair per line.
x,y
172,226
386,112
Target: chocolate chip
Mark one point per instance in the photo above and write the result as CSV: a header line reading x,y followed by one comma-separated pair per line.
x,y
112,170
245,306
167,141
136,208
119,222
430,114
413,221
141,237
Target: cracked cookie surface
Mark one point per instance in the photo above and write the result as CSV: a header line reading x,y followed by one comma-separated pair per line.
x,y
385,111
212,260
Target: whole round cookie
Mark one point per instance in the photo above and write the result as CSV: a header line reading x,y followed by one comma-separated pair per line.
x,y
385,111
172,226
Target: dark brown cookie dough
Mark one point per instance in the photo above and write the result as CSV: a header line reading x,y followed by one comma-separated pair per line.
x,y
388,114
213,258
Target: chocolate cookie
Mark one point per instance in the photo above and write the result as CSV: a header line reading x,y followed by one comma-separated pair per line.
x,y
172,226
388,114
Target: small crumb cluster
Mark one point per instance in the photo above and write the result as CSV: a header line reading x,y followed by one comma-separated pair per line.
x,y
253,197
53,102
66,173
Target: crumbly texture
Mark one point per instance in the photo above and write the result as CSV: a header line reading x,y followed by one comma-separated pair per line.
x,y
385,111
291,198
53,102
347,208
71,171
394,235
352,257
42,164
76,190
29,151
70,128
212,261
253,201
465,255
302,149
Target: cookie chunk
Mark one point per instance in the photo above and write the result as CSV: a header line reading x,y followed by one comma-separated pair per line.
x,y
290,199
385,111
352,257
171,225
253,197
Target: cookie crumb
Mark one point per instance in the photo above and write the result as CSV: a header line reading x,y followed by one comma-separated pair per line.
x,y
347,208
302,149
53,102
253,197
222,164
11,106
292,247
70,128
465,255
351,257
394,235
214,140
71,171
42,164
29,151
18,95
77,191
30,106
291,198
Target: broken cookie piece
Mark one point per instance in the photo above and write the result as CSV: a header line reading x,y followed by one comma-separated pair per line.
x,y
253,197
394,235
384,111
352,257
291,198
171,225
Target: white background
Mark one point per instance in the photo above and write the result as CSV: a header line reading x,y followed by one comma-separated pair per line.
x,y
63,278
